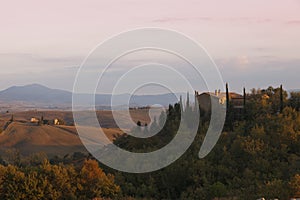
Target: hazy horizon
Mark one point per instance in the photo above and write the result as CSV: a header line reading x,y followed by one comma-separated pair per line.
x,y
152,93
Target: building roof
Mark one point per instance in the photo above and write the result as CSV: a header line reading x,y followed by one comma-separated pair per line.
x,y
221,95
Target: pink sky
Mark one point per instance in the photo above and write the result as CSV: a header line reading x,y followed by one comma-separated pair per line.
x,y
242,36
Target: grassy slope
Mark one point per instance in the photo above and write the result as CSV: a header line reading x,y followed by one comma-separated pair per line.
x,y
55,140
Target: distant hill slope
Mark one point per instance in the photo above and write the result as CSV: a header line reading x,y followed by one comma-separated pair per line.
x,y
58,140
30,139
52,140
41,95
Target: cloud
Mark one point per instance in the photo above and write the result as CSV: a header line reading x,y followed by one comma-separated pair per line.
x,y
247,20
71,67
177,19
236,63
243,61
29,61
59,59
293,22
37,57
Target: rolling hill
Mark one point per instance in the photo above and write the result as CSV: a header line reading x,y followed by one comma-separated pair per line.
x,y
52,140
30,138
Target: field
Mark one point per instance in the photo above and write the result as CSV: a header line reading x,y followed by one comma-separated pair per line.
x,y
29,138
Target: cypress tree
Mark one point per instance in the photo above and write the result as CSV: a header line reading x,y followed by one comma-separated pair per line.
x,y
229,116
244,95
195,100
187,100
227,97
181,104
281,99
244,103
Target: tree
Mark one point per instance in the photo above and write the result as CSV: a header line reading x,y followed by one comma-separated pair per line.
x,y
94,183
227,97
244,103
217,190
12,186
62,180
281,98
294,100
275,189
295,185
187,100
12,157
277,98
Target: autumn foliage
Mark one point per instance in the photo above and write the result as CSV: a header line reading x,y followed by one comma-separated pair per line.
x,y
47,181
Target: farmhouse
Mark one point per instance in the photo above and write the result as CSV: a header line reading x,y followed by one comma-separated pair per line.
x,y
34,120
42,121
58,122
205,99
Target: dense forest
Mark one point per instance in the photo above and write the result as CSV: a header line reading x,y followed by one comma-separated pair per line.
x,y
258,155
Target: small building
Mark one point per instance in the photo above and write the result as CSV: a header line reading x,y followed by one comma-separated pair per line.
x,y
205,98
58,122
34,120
236,101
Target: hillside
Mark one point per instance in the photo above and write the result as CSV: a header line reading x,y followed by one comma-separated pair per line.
x,y
30,138
52,140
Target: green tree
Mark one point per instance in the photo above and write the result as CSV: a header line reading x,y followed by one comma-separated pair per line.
x,y
12,186
294,100
218,190
295,185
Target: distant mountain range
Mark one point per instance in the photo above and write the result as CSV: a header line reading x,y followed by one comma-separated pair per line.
x,y
40,95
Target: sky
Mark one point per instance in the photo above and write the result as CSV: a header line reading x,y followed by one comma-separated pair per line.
x,y
254,43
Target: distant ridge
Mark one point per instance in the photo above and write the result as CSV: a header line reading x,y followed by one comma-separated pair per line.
x,y
36,93
42,95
